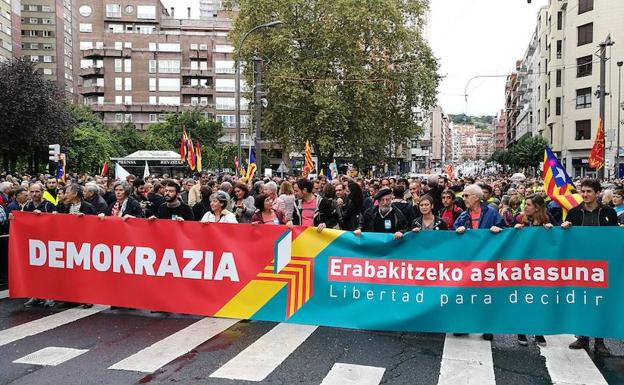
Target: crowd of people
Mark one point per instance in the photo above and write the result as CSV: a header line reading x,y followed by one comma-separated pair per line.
x,y
393,205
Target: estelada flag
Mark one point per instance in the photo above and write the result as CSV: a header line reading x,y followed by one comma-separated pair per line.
x,y
191,158
308,165
596,158
557,183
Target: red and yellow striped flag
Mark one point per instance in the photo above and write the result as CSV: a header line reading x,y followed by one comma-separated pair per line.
x,y
308,165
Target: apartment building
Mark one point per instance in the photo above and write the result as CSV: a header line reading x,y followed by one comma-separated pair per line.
x,y
564,74
474,143
138,64
47,38
500,131
441,143
9,29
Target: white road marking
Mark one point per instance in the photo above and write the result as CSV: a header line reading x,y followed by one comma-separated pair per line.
x,y
46,323
4,294
467,360
263,356
172,347
567,366
347,374
50,356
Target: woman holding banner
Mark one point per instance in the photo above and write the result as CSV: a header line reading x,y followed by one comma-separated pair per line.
x,y
534,214
218,212
265,213
427,221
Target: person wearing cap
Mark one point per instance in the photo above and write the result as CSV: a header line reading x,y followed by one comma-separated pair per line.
x,y
385,218
218,212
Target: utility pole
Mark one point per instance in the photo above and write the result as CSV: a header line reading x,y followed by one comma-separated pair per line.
x,y
603,94
619,122
258,94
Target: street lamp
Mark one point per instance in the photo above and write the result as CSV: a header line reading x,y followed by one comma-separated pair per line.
x,y
272,24
617,156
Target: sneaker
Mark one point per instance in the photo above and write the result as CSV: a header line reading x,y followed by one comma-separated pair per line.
x,y
522,339
49,303
460,334
601,349
488,337
580,343
87,305
540,340
32,302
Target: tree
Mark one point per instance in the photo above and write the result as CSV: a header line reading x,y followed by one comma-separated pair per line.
x,y
349,76
166,135
92,143
128,139
33,112
529,151
220,156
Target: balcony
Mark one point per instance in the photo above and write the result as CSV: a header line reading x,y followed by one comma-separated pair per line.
x,y
139,107
91,71
92,90
197,90
205,73
106,52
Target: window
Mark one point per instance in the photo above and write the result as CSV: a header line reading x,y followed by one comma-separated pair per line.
x,y
152,84
195,46
33,20
127,65
47,59
115,28
194,101
85,10
146,12
224,48
585,34
84,45
127,44
153,118
128,118
584,66
113,10
129,9
34,59
169,47
225,85
34,46
46,8
46,21
86,27
558,78
127,100
118,63
559,20
47,71
118,45
118,84
584,98
170,100
203,47
224,67
118,99
558,106
169,84
539,93
585,6
152,47
559,49
153,100
225,103
152,66
119,118
128,84
583,130
169,66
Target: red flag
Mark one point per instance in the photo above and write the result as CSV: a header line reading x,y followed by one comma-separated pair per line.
x,y
596,158
190,149
236,163
104,169
183,140
198,156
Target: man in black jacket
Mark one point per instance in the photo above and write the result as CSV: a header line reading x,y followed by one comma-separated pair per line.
x,y
591,213
383,219
92,196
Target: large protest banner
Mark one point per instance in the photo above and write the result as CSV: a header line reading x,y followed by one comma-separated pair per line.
x,y
532,281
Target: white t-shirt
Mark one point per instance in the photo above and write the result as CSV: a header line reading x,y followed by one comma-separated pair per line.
x,y
225,217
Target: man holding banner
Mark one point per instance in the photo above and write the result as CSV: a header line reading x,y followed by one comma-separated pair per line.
x,y
385,218
591,213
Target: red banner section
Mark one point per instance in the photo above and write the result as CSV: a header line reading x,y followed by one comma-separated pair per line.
x,y
184,267
545,273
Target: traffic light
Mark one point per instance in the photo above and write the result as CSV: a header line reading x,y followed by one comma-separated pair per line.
x,y
54,150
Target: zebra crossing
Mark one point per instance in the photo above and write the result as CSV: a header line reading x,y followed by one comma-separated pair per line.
x,y
117,346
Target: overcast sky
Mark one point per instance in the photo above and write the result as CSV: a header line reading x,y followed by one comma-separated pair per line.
x,y
479,37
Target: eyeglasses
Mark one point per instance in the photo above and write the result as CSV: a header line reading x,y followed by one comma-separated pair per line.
x,y
466,195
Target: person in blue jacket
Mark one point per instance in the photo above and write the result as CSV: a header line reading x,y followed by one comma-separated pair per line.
x,y
478,215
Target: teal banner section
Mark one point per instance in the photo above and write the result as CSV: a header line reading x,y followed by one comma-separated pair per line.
x,y
529,281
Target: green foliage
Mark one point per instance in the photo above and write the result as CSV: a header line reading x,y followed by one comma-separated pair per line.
x,y
128,139
481,122
346,75
166,135
220,156
92,143
33,113
526,154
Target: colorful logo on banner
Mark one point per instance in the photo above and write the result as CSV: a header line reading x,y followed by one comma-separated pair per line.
x,y
530,281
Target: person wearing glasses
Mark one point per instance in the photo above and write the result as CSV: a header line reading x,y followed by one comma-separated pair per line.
x,y
478,215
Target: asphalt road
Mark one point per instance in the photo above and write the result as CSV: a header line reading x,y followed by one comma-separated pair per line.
x,y
157,348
